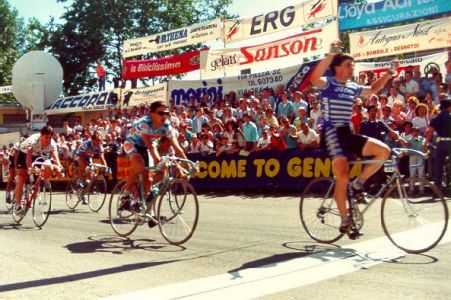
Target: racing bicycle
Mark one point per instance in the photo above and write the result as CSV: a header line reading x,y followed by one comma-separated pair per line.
x,y
92,192
37,194
414,213
176,201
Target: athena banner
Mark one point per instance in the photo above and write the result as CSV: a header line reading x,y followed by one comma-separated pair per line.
x,y
422,63
308,11
285,52
401,39
173,39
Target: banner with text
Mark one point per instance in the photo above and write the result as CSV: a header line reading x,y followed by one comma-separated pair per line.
x,y
172,65
285,52
291,16
173,39
423,63
401,39
296,76
352,16
134,97
89,102
6,89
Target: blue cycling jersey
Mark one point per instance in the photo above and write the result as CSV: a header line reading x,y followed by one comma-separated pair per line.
x,y
336,101
87,149
144,126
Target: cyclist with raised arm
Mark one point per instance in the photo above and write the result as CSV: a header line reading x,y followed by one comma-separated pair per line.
x,y
337,95
83,158
38,144
139,140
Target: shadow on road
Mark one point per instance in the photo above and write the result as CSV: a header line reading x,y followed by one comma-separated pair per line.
x,y
68,211
80,276
117,245
15,226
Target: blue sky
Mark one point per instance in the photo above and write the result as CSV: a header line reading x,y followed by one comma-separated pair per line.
x,y
44,9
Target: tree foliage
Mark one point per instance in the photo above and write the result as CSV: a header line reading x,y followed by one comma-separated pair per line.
x,y
96,29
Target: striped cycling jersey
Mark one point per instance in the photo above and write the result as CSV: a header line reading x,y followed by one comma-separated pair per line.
x,y
336,101
144,126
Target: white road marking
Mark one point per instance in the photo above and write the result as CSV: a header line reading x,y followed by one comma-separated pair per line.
x,y
273,278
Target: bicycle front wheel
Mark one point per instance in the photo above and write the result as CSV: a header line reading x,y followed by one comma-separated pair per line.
x,y
122,221
97,193
72,198
414,215
178,211
318,211
42,203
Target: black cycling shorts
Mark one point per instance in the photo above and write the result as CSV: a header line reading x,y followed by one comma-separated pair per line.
x,y
341,140
22,160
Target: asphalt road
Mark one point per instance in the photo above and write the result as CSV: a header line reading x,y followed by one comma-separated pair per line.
x,y
245,246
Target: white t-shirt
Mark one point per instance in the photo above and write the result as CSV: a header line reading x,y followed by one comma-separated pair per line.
x,y
307,139
399,97
262,142
33,142
410,87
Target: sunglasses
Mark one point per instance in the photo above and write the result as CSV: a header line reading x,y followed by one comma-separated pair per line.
x,y
163,113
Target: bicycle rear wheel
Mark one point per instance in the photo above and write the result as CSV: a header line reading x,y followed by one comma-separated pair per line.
x,y
97,194
122,221
42,203
72,198
414,215
178,211
318,211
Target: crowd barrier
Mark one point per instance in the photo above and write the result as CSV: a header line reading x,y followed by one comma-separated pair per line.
x,y
291,169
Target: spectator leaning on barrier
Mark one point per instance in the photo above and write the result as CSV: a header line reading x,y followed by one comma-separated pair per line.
x,y
307,137
250,133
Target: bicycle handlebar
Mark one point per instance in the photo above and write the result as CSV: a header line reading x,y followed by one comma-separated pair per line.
x,y
167,160
43,161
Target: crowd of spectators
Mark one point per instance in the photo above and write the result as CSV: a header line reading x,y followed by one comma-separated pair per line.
x,y
278,120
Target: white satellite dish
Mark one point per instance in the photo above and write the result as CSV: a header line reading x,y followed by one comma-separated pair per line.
x,y
37,82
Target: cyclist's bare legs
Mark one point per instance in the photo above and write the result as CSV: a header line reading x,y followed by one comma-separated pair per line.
x,y
379,151
82,164
12,177
340,167
22,175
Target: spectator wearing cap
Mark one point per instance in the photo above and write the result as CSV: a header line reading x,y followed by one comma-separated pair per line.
x,y
412,103
198,120
271,118
264,143
194,145
440,124
302,118
307,137
250,133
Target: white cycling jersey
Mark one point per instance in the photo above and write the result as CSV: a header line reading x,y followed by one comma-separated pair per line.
x,y
33,142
